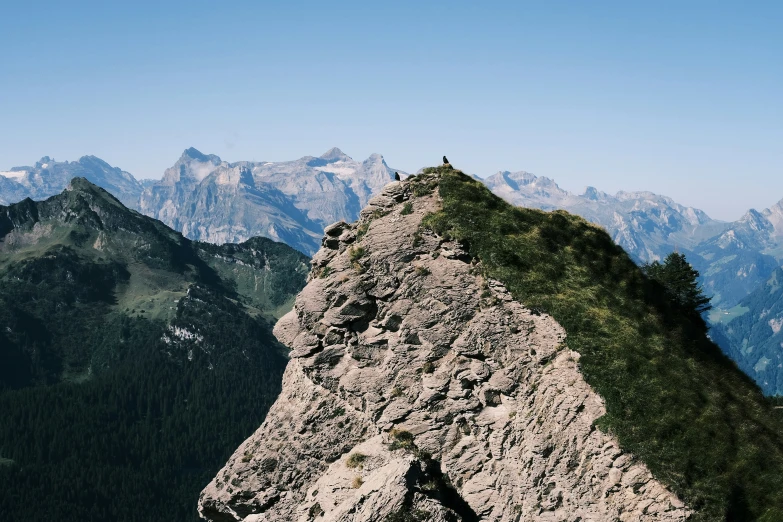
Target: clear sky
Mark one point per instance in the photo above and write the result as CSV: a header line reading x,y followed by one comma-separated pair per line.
x,y
681,98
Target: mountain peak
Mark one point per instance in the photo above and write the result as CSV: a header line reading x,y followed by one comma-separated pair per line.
x,y
522,182
97,196
80,184
751,214
593,194
335,154
777,208
193,153
405,384
756,221
95,160
374,158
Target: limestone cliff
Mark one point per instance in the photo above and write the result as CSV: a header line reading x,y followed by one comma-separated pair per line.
x,y
418,390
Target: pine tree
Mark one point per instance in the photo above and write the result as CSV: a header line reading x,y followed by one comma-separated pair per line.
x,y
680,280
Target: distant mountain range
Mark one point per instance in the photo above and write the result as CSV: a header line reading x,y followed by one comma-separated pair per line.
x,y
211,200
646,225
733,258
208,199
49,177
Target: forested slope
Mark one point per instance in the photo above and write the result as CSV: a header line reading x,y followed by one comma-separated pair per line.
x,y
132,360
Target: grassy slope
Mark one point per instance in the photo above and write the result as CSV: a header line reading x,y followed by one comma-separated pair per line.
x,y
672,398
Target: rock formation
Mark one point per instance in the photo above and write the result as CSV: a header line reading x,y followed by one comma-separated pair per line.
x,y
418,390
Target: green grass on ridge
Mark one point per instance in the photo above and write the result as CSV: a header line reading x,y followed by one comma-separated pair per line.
x,y
672,398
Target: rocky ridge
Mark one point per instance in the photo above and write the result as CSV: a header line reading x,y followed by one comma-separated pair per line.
x,y
416,388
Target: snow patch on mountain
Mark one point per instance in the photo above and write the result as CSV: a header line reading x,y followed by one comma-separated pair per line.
x,y
16,175
339,168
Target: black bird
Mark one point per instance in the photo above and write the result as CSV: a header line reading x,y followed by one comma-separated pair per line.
x,y
396,176
445,160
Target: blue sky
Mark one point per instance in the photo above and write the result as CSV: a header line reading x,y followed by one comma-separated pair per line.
x,y
681,98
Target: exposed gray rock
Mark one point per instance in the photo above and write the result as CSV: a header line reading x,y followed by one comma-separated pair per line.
x,y
398,342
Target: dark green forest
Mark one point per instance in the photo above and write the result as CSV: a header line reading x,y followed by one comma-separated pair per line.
x,y
145,423
136,444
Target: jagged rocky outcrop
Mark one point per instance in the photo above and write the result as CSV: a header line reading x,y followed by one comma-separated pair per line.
x,y
418,390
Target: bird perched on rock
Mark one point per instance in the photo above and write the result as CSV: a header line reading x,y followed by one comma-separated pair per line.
x,y
396,176
445,160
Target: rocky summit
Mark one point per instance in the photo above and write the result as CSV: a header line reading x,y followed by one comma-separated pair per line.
x,y
420,389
